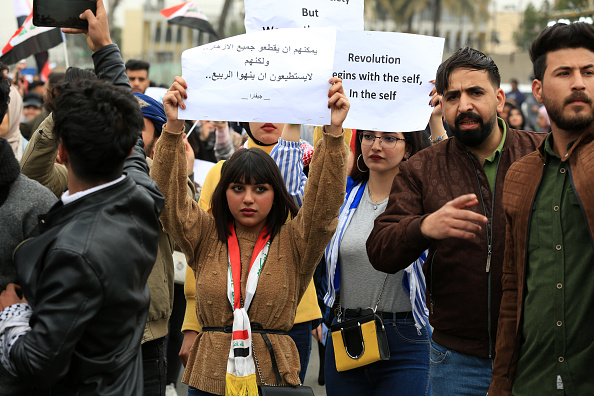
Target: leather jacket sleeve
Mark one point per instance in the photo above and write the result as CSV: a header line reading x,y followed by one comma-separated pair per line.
x,y
110,66
44,355
396,239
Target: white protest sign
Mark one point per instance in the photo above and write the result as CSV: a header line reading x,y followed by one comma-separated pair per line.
x,y
386,78
276,14
156,93
267,76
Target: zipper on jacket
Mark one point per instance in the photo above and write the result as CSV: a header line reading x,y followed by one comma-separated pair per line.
x,y
489,235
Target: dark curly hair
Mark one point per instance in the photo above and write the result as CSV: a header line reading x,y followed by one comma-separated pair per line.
x,y
98,124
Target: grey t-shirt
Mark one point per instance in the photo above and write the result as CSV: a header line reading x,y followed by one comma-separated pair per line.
x,y
360,283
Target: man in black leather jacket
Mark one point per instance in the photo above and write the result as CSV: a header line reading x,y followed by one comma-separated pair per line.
x,y
85,277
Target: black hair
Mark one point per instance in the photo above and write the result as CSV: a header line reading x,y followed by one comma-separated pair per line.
x,y
35,84
412,140
74,73
135,64
55,78
557,37
98,124
4,90
466,58
251,166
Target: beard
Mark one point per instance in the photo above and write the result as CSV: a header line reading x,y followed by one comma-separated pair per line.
x,y
473,137
577,121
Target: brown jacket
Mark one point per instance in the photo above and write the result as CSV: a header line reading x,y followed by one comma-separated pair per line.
x,y
521,185
291,261
462,297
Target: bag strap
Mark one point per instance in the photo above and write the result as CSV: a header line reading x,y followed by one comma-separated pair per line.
x,y
273,359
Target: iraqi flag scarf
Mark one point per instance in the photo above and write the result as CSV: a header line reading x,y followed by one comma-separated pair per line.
x,y
241,371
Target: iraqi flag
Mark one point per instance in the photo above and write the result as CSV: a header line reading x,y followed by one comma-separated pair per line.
x,y
29,40
188,14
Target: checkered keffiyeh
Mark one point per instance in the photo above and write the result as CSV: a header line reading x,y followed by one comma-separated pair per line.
x,y
14,323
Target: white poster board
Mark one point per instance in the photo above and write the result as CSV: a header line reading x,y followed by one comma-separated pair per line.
x,y
266,76
277,14
386,78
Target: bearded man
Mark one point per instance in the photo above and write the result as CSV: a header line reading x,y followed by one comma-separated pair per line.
x,y
447,198
545,345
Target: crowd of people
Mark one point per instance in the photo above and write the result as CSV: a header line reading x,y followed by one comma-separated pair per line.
x,y
134,242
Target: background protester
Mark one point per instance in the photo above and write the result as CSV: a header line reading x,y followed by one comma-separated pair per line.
x,y
516,120
137,72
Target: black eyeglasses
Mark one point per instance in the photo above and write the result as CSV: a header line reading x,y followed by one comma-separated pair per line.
x,y
388,141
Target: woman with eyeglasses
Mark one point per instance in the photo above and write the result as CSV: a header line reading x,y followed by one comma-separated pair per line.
x,y
354,285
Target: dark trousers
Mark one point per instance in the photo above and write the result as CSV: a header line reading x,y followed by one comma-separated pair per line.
x,y
175,336
154,367
301,335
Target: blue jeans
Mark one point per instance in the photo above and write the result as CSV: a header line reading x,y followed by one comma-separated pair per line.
x,y
455,373
197,392
406,373
301,335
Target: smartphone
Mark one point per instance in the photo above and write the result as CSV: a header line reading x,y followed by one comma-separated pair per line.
x,y
62,13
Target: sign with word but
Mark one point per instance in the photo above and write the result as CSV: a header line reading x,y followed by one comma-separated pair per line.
x,y
277,14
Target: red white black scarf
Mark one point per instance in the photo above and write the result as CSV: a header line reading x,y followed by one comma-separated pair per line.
x,y
241,371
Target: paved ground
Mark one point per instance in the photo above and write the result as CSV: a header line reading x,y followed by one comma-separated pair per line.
x,y
311,378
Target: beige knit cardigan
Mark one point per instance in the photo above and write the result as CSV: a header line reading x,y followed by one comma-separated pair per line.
x,y
292,258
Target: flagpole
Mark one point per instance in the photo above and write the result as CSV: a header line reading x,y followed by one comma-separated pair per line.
x,y
65,50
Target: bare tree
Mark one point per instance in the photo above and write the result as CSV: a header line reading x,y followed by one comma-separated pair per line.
x,y
112,5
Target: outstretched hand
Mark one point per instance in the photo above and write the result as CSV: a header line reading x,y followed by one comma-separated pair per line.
x,y
172,101
339,105
452,220
98,32
10,296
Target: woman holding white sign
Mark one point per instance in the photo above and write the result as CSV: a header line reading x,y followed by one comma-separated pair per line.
x,y
393,304
244,310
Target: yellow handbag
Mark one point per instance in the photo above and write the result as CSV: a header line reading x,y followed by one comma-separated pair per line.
x,y
360,341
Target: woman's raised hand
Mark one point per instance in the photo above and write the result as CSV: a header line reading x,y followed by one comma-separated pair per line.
x,y
172,100
339,104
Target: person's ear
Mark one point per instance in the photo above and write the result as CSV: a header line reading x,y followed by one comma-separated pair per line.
x,y
537,90
62,154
